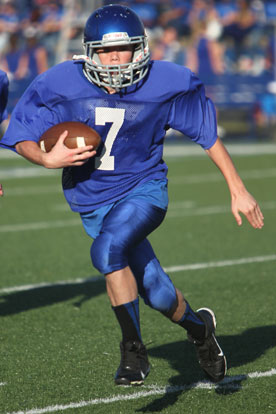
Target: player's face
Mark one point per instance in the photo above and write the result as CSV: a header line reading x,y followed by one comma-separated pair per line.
x,y
116,55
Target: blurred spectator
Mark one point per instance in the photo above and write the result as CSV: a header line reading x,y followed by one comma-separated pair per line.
x,y
9,21
23,60
225,10
147,11
199,11
32,18
50,23
12,60
205,55
35,54
239,23
9,16
4,92
267,106
174,13
254,58
168,47
270,51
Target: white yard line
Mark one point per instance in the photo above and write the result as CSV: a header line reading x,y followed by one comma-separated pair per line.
x,y
187,208
170,269
42,225
245,150
222,263
217,176
27,172
31,172
32,190
77,281
190,149
228,382
176,210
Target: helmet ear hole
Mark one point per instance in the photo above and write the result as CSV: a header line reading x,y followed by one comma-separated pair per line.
x,y
115,25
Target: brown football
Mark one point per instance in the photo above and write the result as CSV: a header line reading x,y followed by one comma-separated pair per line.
x,y
79,135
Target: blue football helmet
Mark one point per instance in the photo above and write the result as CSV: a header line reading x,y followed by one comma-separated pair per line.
x,y
115,25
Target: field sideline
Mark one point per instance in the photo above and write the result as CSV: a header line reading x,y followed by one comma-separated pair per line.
x,y
59,340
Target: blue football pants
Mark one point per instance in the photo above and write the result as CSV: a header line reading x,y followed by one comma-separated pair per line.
x,y
122,242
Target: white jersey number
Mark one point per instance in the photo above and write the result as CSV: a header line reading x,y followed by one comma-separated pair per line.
x,y
115,116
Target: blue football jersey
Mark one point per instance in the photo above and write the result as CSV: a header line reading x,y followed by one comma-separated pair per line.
x,y
132,124
4,90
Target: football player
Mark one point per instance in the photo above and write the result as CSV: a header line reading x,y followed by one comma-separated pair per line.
x,y
4,87
121,191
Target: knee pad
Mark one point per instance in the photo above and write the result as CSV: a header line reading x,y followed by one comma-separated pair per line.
x,y
159,290
108,254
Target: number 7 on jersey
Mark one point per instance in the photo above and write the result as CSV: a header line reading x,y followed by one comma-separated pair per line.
x,y
115,116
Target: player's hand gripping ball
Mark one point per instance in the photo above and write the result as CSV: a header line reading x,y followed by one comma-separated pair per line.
x,y
79,135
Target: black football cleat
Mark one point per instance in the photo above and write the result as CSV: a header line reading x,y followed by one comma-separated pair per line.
x,y
210,355
134,366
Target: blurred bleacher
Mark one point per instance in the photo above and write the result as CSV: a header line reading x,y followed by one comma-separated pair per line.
x,y
230,44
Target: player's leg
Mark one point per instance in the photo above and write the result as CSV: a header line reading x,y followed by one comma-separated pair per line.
x,y
122,291
126,224
157,290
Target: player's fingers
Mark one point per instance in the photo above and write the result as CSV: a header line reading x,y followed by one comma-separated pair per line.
x,y
81,150
88,154
237,217
255,217
259,218
80,159
259,212
62,137
252,220
84,156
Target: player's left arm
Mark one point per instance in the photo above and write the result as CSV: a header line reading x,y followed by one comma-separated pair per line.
x,y
242,201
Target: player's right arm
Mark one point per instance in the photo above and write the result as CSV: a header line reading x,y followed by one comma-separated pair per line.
x,y
59,157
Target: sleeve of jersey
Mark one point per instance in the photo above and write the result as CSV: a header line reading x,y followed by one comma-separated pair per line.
x,y
4,97
194,114
28,119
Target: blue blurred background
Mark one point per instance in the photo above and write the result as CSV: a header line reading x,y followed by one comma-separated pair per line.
x,y
230,44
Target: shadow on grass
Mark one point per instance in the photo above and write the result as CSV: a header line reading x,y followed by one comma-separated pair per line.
x,y
239,350
13,303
